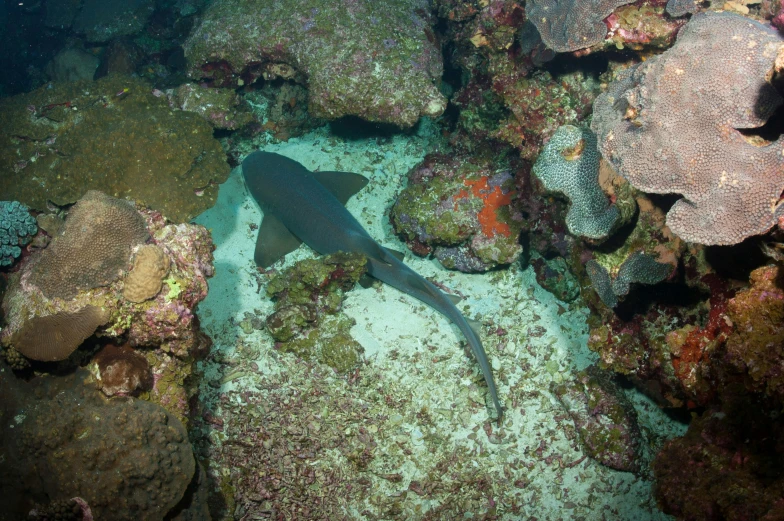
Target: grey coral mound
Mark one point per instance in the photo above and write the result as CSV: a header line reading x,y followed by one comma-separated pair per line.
x,y
569,25
672,125
569,164
93,248
17,228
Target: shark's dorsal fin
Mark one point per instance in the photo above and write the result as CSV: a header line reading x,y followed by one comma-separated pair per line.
x,y
274,242
341,184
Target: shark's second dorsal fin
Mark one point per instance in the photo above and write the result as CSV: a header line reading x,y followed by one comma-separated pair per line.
x,y
274,242
341,184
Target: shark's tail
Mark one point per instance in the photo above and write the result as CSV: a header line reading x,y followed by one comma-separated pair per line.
x,y
397,274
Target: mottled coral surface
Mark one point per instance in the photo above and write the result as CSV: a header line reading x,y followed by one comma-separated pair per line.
x,y
673,125
127,459
376,60
57,143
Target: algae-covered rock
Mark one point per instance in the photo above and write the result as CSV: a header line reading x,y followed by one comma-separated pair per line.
x,y
112,135
306,320
604,418
127,459
376,60
461,211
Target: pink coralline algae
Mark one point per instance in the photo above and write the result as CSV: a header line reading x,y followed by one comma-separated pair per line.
x,y
678,123
376,60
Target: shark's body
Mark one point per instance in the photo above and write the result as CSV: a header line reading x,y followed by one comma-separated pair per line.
x,y
304,206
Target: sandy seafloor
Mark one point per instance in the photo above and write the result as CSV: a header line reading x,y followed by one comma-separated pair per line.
x,y
413,360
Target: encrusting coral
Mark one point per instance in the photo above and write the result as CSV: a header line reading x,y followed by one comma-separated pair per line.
x,y
54,337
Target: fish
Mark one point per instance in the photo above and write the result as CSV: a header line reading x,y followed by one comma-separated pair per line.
x,y
301,206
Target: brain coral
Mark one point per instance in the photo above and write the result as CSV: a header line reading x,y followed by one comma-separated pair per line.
x,y
570,25
145,278
17,228
92,249
569,164
672,125
60,141
376,60
128,459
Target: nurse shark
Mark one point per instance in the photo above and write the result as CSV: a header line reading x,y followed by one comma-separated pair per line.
x,y
303,206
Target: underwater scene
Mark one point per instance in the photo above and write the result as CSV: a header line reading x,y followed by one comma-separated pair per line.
x,y
392,260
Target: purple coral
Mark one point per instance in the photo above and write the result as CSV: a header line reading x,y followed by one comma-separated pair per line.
x,y
673,124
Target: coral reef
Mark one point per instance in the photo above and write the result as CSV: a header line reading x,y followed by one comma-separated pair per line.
x,y
641,26
92,249
555,276
604,418
756,346
460,210
569,26
164,325
668,131
103,20
144,281
17,228
127,459
221,108
375,60
539,104
569,164
112,135
308,296
727,466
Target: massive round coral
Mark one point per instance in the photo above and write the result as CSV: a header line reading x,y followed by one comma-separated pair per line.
x,y
128,459
675,124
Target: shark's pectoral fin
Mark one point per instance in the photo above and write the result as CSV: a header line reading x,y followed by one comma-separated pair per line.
x,y
274,242
341,184
366,281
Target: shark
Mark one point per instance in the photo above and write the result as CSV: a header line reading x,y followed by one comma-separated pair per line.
x,y
301,206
